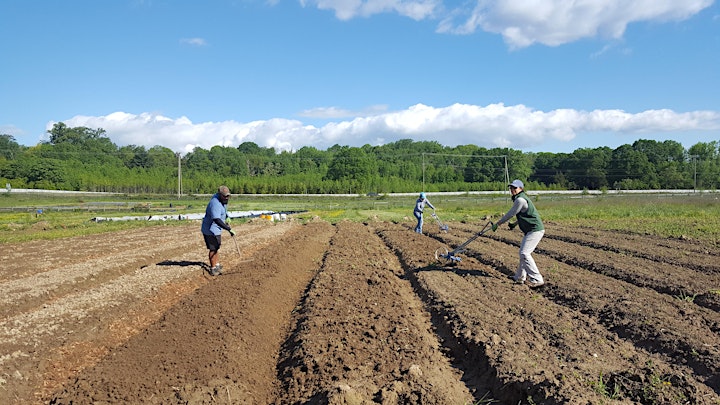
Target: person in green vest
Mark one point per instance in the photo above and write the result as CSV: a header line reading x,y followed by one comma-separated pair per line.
x,y
532,226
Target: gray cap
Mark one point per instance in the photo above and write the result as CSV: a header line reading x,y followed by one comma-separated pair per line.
x,y
224,191
517,183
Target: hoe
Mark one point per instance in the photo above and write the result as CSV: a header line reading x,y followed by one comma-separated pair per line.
x,y
452,255
443,227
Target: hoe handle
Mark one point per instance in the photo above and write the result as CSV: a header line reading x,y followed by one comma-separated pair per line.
x,y
482,232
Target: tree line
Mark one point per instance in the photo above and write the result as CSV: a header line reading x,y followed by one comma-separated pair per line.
x,y
85,159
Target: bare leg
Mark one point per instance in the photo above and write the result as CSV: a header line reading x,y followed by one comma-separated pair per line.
x,y
213,257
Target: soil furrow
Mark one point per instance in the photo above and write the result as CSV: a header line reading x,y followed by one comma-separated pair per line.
x,y
45,281
679,254
363,337
220,343
48,336
531,349
680,331
681,283
632,240
357,313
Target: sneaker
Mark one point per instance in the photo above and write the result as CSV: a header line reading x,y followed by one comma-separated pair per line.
x,y
536,284
515,280
216,271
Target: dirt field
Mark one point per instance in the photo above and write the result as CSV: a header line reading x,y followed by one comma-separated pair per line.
x,y
358,313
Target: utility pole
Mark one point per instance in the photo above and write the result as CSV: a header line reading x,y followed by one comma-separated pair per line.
x,y
179,175
423,170
694,159
507,173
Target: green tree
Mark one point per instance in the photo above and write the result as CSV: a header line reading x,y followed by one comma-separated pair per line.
x,y
587,168
660,152
480,167
199,160
81,144
631,169
9,148
546,167
134,156
354,167
251,148
160,156
41,173
705,164
312,160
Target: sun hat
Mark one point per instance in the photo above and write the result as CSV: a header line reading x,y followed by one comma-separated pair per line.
x,y
517,183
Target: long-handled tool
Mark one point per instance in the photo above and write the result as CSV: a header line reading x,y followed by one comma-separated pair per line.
x,y
239,254
236,246
443,227
452,255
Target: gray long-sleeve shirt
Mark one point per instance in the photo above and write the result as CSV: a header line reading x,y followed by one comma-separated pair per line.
x,y
519,205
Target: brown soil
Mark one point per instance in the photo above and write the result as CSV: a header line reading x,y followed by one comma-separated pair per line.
x,y
356,314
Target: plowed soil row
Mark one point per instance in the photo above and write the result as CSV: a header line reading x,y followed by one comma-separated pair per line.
x,y
363,335
678,337
356,314
220,343
67,303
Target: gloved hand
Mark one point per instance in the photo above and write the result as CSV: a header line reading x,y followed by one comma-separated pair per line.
x,y
512,225
494,227
232,233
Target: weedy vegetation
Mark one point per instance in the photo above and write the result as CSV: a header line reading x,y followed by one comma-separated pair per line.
x,y
47,216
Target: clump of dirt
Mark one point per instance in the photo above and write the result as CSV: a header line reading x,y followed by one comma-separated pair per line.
x,y
41,225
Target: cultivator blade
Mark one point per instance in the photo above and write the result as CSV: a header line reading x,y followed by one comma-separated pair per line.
x,y
443,253
452,256
443,227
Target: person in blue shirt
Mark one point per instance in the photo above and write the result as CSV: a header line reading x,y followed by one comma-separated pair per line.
x,y
212,225
418,211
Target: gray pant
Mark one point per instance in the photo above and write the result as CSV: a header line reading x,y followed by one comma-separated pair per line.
x,y
527,267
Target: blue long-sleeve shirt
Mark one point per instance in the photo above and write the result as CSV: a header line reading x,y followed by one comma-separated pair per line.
x,y
420,204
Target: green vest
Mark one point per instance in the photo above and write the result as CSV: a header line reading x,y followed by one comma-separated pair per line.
x,y
529,220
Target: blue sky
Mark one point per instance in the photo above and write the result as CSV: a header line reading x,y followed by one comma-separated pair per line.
x,y
537,76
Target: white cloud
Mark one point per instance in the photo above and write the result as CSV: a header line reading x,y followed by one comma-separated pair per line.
x,y
525,22
494,125
193,41
348,9
11,129
335,112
